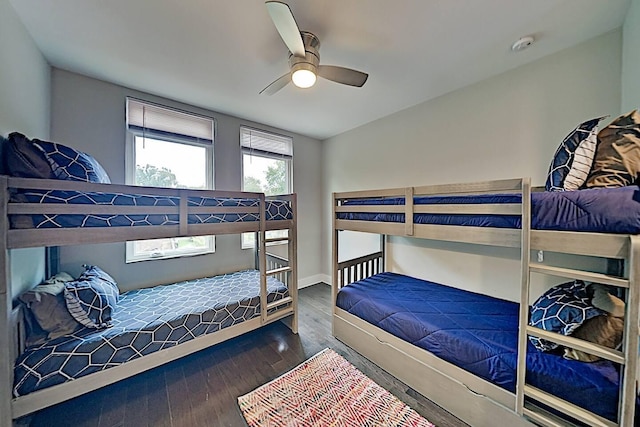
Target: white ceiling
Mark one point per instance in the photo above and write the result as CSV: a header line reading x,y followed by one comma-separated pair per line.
x,y
218,54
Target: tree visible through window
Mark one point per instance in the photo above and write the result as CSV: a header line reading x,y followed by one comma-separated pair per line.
x,y
153,176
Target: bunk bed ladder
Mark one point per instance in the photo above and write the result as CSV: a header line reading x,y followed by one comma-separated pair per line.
x,y
262,259
284,269
525,247
627,358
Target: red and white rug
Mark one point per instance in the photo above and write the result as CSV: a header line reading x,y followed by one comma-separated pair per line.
x,y
326,390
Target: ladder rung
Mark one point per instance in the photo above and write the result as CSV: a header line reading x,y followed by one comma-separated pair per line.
x,y
544,418
567,408
279,302
276,239
278,271
586,346
578,274
279,314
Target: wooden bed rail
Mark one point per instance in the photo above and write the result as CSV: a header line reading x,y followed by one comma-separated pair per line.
x,y
496,186
23,236
55,184
360,268
507,237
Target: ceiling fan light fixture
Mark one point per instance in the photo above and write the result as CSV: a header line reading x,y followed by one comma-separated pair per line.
x,y
303,73
303,78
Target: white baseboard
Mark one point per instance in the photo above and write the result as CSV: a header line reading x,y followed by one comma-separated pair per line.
x,y
312,280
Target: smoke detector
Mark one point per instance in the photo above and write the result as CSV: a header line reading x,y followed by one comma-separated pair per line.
x,y
522,43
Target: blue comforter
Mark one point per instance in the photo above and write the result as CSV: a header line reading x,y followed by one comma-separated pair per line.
x,y
477,333
600,210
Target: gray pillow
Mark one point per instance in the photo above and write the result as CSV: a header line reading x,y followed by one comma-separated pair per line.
x,y
47,305
25,160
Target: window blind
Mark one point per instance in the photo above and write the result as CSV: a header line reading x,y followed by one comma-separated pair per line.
x,y
266,142
145,117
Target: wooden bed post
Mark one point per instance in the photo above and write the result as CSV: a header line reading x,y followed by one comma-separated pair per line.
x,y
262,259
6,341
383,249
525,275
408,211
293,262
630,337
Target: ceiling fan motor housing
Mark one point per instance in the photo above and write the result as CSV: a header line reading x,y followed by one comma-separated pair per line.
x,y
311,59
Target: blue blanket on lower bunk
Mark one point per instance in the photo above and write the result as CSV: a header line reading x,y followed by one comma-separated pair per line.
x,y
598,210
477,333
146,321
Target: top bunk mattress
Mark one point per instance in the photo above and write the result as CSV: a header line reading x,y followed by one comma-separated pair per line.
x,y
145,321
600,210
477,333
275,210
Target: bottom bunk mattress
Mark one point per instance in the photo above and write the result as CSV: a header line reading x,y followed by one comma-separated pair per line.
x,y
479,334
146,321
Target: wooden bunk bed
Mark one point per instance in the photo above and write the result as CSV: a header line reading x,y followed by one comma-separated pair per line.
x,y
473,399
190,213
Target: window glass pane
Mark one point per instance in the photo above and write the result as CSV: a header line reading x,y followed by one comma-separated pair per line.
x,y
265,174
169,164
166,161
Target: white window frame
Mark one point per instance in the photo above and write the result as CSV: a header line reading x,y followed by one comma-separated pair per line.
x,y
130,173
287,158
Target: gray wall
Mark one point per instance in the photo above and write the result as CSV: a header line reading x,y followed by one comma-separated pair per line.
x,y
24,107
504,127
631,58
89,114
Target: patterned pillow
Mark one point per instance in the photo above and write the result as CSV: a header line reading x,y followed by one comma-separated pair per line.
x,y
72,165
617,162
561,309
573,159
92,298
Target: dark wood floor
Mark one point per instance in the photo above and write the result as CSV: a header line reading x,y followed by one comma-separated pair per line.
x,y
201,389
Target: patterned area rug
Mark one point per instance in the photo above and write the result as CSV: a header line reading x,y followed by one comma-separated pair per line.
x,y
326,390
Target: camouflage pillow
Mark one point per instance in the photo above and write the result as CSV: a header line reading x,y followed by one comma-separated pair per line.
x,y
617,161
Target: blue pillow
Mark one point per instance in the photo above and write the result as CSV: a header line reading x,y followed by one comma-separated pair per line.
x,y
72,165
573,160
92,297
561,309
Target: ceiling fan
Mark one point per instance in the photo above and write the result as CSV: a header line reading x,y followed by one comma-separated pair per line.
x,y
304,59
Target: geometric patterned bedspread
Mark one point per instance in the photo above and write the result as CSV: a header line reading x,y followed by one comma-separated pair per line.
x,y
146,321
276,210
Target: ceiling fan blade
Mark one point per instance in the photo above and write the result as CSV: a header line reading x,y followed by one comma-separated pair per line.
x,y
276,85
286,25
346,76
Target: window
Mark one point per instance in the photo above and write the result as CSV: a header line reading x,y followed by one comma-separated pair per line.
x,y
266,168
168,148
